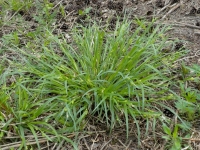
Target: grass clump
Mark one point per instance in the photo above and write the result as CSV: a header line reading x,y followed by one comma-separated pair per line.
x,y
16,5
115,75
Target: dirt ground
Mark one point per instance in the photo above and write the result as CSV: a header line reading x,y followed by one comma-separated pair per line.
x,y
182,15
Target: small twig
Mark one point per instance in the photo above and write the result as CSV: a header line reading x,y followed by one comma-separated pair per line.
x,y
47,147
73,22
18,144
93,141
86,144
57,5
61,19
192,139
150,2
105,144
168,5
171,10
188,25
121,143
196,33
179,24
168,2
12,16
195,55
54,146
144,142
59,146
128,144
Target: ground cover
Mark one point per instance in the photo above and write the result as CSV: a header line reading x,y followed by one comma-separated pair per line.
x,y
98,75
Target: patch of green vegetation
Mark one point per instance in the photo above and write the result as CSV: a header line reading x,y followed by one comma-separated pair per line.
x,y
50,87
17,5
187,108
